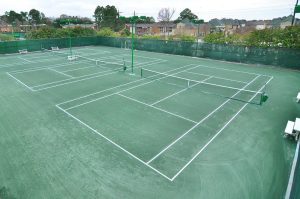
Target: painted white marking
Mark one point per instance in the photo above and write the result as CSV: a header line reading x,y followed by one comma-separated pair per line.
x,y
292,174
200,122
211,84
214,137
60,73
19,81
201,74
112,88
24,59
84,78
160,109
163,99
78,69
112,142
118,92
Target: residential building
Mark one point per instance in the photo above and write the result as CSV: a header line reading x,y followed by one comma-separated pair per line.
x,y
92,26
285,24
141,29
4,27
185,27
163,28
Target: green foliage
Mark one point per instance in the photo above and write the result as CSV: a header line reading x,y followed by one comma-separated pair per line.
x,y
35,16
288,38
125,32
48,32
221,38
186,14
187,38
151,37
106,32
59,22
12,16
107,17
6,37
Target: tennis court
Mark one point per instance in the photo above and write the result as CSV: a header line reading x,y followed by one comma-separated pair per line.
x,y
175,126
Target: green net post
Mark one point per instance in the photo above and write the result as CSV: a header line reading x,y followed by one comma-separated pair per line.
x,y
132,47
132,41
70,40
141,73
124,65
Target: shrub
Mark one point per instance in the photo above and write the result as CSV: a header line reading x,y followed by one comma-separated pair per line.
x,y
106,32
5,37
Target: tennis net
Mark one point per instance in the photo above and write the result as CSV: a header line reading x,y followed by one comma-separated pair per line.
x,y
243,95
56,53
115,66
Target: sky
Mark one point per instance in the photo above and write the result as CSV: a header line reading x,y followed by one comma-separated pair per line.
x,y
204,9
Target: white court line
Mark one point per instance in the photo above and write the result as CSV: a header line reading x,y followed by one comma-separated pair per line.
x,y
46,67
32,62
88,75
160,109
214,137
180,91
200,122
66,80
231,70
19,81
112,142
24,59
54,65
201,74
98,92
205,59
292,174
120,91
61,73
78,69
207,83
82,79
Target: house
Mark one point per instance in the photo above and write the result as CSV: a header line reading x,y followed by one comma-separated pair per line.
x,y
285,24
259,25
204,29
163,28
185,27
217,29
141,29
4,27
91,26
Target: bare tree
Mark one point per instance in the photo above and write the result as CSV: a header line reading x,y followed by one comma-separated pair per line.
x,y
164,16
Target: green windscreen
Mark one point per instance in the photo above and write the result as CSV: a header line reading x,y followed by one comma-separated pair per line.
x,y
267,56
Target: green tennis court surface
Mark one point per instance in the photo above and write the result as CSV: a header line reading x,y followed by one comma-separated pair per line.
x,y
178,127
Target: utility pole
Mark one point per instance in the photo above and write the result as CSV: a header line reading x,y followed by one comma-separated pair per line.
x,y
70,39
132,39
296,10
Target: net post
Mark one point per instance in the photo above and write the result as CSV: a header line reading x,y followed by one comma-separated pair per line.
x,y
141,72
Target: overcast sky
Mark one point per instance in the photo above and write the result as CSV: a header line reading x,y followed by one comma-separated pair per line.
x,y
205,9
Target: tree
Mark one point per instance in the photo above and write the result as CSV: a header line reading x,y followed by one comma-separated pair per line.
x,y
107,17
12,16
164,16
24,16
186,14
35,16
